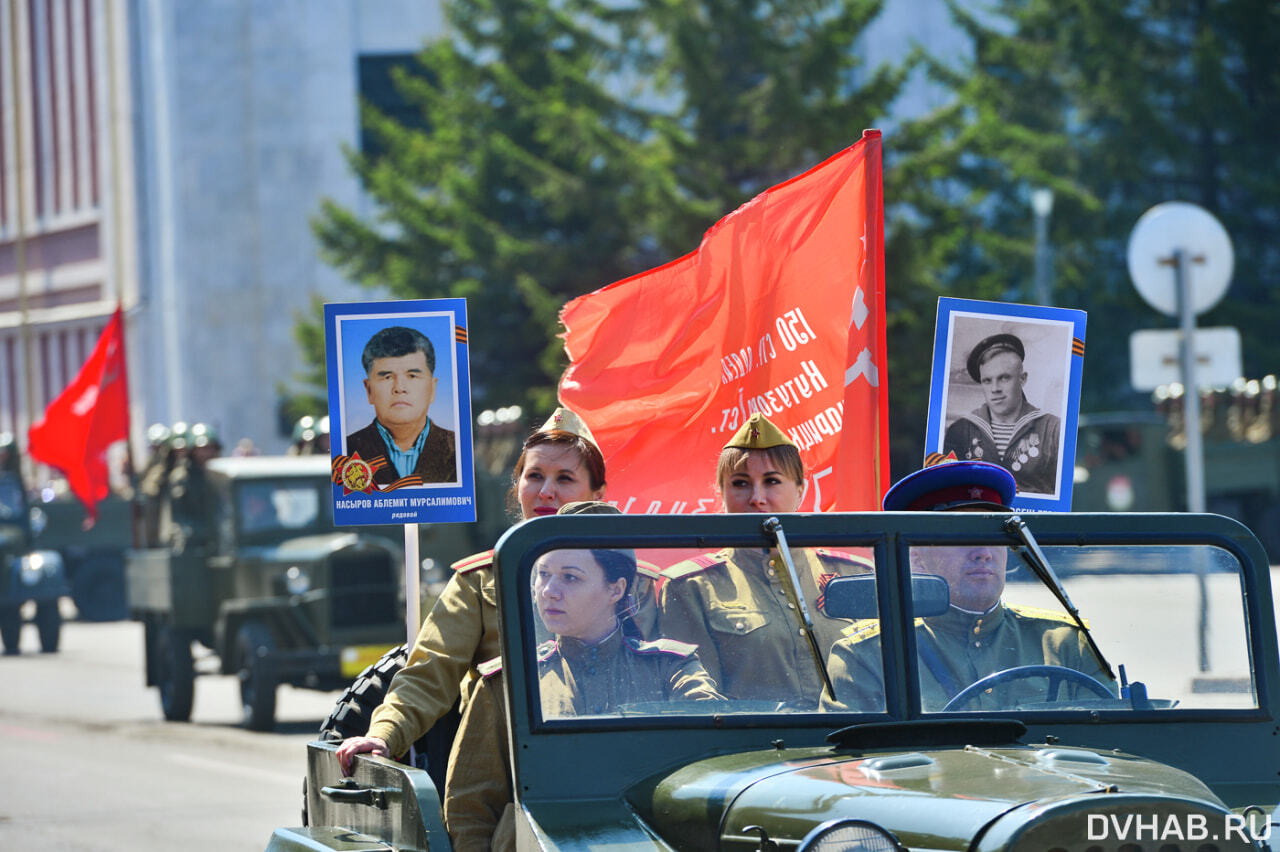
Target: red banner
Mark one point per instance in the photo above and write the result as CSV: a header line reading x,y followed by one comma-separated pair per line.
x,y
86,418
780,310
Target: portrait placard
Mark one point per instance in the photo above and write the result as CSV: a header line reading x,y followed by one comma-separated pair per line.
x,y
400,411
1005,389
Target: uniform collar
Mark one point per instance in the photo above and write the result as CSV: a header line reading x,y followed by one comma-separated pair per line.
x,y
958,621
575,649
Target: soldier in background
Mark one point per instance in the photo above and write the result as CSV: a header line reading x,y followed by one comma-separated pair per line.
x,y
153,480
190,502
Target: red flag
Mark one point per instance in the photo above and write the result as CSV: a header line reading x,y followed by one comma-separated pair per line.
x,y
780,310
86,418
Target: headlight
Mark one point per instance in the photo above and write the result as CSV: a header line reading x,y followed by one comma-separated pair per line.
x,y
850,835
297,581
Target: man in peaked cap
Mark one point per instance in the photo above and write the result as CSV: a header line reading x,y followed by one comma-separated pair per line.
x,y
1006,429
979,634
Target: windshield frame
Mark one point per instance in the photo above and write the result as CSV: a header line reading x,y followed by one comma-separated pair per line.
x,y
645,739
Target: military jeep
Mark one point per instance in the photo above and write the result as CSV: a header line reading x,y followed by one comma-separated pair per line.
x,y
277,592
1180,752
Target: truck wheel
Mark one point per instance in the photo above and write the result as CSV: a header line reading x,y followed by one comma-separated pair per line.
x,y
175,672
353,713
10,628
257,680
48,625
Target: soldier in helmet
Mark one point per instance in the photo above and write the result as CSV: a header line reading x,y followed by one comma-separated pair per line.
x,y
154,480
191,503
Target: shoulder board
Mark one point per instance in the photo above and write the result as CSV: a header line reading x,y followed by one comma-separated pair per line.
x,y
489,668
664,646
696,565
546,650
648,569
862,630
474,561
846,557
1046,614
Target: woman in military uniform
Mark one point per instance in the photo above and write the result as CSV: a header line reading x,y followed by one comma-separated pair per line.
x,y
593,666
559,464
735,605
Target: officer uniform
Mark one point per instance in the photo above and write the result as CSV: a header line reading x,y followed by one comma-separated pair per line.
x,y
734,605
959,647
578,679
460,632
478,810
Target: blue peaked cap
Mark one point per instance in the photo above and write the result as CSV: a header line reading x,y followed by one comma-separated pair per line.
x,y
953,485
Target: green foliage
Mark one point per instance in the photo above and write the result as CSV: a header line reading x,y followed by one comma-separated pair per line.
x,y
566,145
525,188
1116,107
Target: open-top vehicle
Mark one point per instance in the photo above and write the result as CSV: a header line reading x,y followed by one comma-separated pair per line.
x,y
1180,751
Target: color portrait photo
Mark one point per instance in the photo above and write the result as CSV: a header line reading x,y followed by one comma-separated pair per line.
x,y
399,397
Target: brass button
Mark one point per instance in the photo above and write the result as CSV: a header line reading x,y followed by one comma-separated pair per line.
x,y
977,630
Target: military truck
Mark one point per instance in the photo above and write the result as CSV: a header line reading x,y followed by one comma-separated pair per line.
x,y
1135,460
92,557
28,579
1028,758
276,592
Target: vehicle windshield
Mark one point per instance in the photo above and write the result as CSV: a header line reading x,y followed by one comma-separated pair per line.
x,y
266,506
720,633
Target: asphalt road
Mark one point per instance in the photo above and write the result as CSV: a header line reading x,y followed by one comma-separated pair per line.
x,y
89,763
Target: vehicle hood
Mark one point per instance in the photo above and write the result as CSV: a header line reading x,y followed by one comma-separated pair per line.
x,y
314,548
939,798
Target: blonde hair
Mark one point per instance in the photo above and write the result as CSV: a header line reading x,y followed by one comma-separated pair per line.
x,y
783,457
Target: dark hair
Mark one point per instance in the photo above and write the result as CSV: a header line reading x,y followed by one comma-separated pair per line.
x,y
588,453
617,565
395,341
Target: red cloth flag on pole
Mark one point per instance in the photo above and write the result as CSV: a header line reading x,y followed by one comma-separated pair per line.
x,y
780,310
86,418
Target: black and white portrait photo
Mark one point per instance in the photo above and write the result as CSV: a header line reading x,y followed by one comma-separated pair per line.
x,y
1006,391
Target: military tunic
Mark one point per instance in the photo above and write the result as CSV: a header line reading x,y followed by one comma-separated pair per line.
x,y
1031,455
734,607
578,679
459,633
573,679
478,811
958,648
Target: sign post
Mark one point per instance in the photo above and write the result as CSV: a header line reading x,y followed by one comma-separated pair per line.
x,y
1184,238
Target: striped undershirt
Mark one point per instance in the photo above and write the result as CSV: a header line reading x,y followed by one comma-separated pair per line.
x,y
1003,433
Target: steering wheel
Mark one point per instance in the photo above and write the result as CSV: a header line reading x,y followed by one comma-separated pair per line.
x,y
1057,675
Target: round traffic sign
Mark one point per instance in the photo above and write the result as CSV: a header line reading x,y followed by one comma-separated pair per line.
x,y
1208,258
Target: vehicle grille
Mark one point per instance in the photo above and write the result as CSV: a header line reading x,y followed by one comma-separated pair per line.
x,y
365,588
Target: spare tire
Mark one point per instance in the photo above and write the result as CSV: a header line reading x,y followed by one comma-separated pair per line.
x,y
353,713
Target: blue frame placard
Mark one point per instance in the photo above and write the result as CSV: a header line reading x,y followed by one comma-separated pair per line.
x,y
1005,389
432,479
